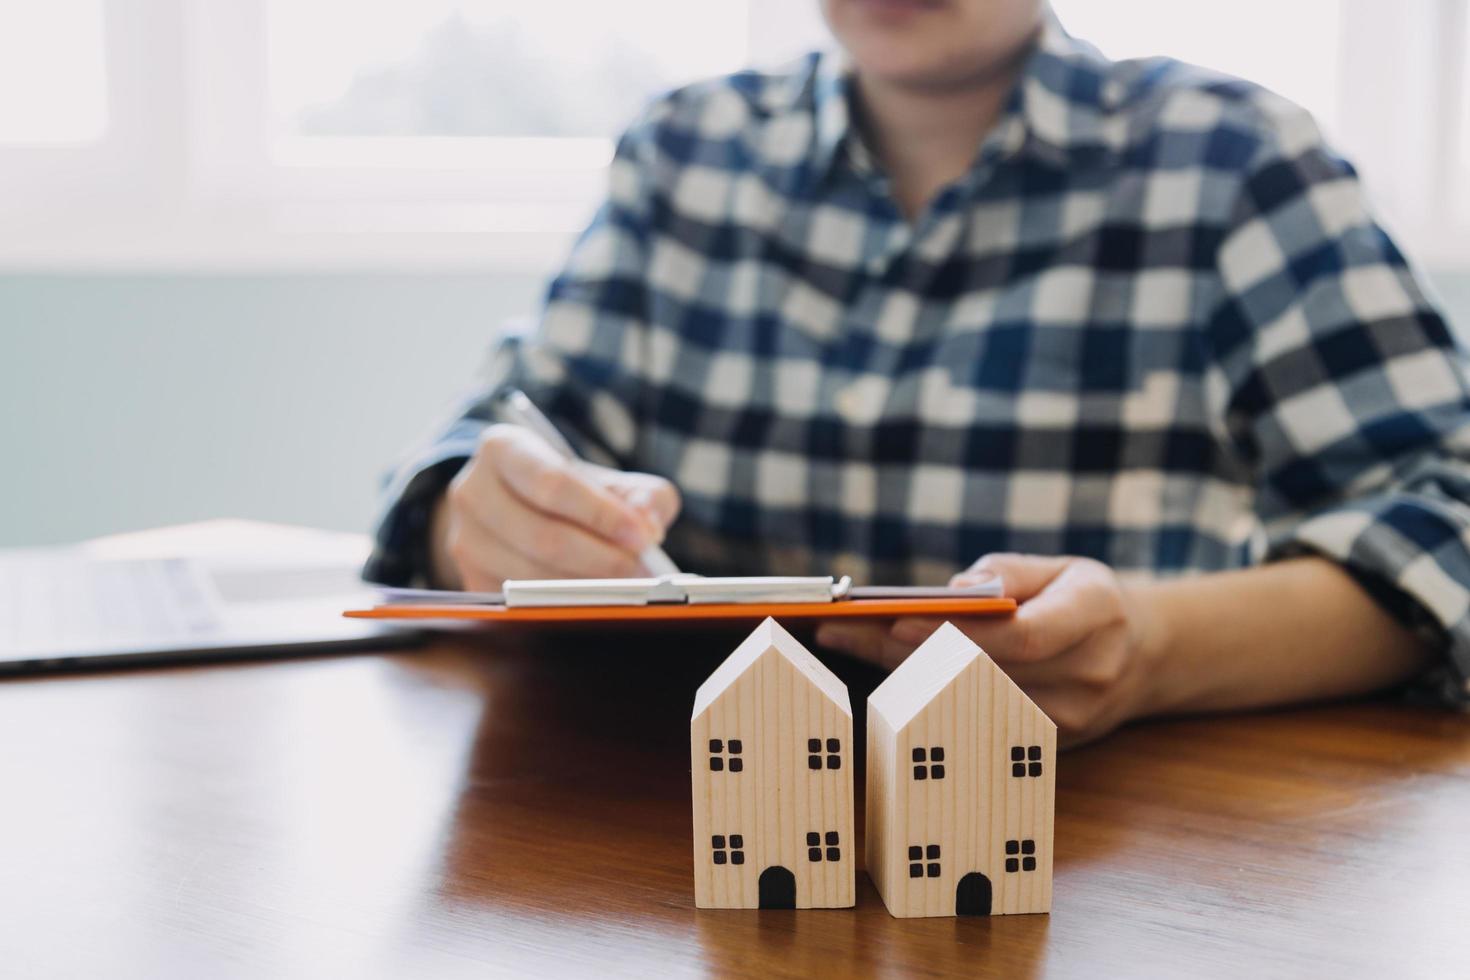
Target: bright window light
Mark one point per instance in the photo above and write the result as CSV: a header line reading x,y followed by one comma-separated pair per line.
x,y
1289,46
392,83
470,134
53,86
1461,175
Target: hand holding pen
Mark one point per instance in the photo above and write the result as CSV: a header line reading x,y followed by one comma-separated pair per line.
x,y
524,507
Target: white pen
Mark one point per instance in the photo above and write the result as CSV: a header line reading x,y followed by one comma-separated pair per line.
x,y
518,409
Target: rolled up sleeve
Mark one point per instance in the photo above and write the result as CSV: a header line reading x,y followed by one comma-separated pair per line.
x,y
1342,388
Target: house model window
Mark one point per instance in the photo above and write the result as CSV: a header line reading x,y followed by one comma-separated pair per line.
x,y
734,854
934,757
1025,760
918,855
814,846
814,753
719,761
1027,859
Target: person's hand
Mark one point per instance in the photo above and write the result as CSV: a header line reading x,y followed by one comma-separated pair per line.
x,y
518,510
1079,644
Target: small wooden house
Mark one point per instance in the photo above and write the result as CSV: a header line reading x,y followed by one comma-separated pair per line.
x,y
961,782
770,748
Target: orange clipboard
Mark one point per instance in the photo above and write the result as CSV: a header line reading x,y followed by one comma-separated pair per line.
x,y
685,598
851,608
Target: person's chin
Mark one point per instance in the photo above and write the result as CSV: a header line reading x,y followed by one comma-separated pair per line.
x,y
902,68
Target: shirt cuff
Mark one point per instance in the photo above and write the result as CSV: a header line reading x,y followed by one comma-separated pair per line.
x,y
1412,555
400,555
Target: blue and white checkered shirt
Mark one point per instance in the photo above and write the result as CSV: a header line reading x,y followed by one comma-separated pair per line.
x,y
1153,324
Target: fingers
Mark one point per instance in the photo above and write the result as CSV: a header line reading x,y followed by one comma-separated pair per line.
x,y
1095,664
1076,713
1073,688
498,532
873,642
519,510
652,496
484,562
1080,601
1089,664
534,472
1077,602
512,529
867,640
1007,641
1022,576
1070,645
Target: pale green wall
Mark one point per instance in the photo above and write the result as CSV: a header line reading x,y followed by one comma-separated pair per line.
x,y
1453,290
133,401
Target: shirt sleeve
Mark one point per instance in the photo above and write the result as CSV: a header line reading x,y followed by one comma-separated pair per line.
x,y
1342,388
579,364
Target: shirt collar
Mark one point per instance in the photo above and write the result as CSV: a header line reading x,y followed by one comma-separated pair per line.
x,y
831,108
1066,95
1058,109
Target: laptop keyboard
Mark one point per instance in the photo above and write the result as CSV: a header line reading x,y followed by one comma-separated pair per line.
x,y
51,605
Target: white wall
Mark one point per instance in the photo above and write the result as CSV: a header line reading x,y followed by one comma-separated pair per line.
x,y
134,401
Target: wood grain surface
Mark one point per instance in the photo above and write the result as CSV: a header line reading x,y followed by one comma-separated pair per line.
x,y
976,813
489,806
772,699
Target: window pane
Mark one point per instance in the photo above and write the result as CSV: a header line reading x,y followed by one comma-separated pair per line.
x,y
1462,178
535,68
1290,47
53,85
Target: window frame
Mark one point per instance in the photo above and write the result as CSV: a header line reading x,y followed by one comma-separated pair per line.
x,y
727,850
1021,855
184,180
1026,761
927,863
928,762
822,847
172,186
815,752
727,755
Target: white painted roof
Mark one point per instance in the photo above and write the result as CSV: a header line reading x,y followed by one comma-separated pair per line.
x,y
771,635
928,671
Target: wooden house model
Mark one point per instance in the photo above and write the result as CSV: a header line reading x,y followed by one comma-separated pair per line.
x,y
961,780
770,747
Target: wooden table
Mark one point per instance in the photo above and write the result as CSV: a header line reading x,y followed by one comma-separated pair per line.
x,y
488,806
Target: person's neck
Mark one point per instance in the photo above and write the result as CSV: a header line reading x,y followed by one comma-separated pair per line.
x,y
928,137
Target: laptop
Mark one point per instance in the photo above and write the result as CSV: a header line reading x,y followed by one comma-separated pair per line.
x,y
110,604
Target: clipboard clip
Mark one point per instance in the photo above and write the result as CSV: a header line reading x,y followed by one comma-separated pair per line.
x,y
680,590
675,590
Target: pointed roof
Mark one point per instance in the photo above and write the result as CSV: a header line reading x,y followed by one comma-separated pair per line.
x,y
768,636
928,671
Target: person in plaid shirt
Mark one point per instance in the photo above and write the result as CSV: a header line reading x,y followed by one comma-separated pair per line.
x,y
966,300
